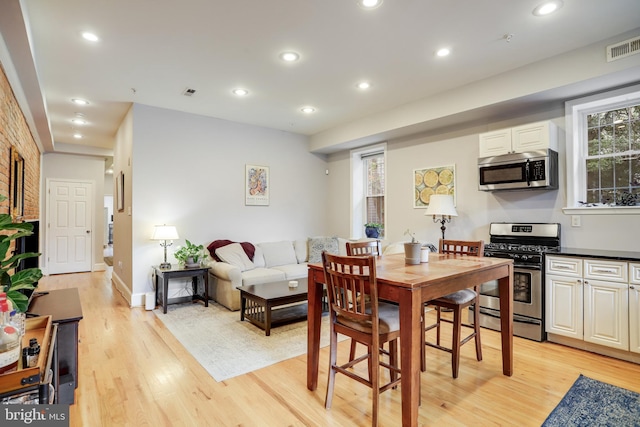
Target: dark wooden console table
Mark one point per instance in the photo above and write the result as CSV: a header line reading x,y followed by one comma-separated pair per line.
x,y
66,311
164,275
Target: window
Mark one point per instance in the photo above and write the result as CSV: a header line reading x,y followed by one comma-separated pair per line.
x,y
603,152
367,187
374,188
613,156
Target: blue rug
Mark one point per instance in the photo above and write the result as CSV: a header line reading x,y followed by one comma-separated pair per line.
x,y
593,403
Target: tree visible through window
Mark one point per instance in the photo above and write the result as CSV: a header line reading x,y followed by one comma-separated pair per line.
x,y
613,156
374,188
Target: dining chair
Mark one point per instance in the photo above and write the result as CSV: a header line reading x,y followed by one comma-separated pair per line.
x,y
370,247
456,302
354,311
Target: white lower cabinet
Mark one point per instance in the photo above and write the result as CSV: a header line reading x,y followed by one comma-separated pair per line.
x,y
634,307
564,306
589,299
606,313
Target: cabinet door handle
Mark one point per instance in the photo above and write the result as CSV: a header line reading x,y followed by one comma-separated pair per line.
x,y
579,281
632,287
562,267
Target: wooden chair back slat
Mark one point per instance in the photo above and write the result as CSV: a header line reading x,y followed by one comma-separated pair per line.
x,y
462,247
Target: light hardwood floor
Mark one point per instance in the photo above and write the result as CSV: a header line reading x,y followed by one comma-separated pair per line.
x,y
133,372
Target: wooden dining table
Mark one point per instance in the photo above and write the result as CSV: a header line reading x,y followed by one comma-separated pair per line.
x,y
411,286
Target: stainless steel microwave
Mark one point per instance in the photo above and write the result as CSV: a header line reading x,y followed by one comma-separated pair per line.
x,y
519,171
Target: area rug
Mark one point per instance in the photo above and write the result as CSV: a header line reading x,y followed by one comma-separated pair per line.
x,y
590,402
227,347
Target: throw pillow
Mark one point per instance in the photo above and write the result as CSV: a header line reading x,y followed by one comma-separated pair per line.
x,y
319,244
235,255
278,253
249,249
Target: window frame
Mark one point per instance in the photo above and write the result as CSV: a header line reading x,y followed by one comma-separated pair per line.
x,y
576,112
358,207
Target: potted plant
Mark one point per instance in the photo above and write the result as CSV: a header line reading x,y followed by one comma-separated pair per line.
x,y
13,283
189,255
412,249
372,229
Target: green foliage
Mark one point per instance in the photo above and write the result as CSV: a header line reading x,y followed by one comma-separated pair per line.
x,y
189,251
22,280
374,225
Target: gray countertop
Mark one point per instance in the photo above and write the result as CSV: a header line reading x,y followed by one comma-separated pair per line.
x,y
598,253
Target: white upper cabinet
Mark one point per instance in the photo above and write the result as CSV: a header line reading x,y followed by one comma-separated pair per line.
x,y
529,137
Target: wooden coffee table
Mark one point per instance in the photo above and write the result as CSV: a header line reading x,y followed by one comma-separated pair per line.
x,y
259,303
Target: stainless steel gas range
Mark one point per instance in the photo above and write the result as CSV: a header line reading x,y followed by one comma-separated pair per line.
x,y
525,244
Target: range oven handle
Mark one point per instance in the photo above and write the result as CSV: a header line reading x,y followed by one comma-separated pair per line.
x,y
528,266
519,319
527,172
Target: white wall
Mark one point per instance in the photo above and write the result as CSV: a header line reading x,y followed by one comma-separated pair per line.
x,y
476,209
81,168
188,171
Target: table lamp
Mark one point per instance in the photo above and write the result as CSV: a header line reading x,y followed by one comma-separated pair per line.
x,y
441,205
164,233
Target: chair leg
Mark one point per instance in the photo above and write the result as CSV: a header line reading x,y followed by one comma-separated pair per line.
x,y
455,347
393,359
374,374
423,339
333,353
438,325
476,328
352,352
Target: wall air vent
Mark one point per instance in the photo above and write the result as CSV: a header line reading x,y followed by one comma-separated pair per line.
x,y
189,92
623,49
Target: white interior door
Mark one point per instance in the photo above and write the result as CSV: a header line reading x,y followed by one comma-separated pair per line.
x,y
69,232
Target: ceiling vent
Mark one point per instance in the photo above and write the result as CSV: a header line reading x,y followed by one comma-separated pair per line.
x,y
623,49
189,92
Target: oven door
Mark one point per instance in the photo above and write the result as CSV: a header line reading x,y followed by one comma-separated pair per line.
x,y
527,292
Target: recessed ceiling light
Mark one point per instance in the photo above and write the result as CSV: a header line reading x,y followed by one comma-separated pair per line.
x,y
443,52
547,7
289,56
80,101
90,36
364,85
369,4
77,135
240,92
79,121
308,110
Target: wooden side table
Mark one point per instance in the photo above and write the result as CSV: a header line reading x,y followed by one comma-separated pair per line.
x,y
164,275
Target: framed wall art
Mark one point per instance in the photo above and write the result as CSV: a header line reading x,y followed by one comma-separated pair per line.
x,y
435,180
256,185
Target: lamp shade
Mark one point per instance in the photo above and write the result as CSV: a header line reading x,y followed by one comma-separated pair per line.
x,y
441,204
165,232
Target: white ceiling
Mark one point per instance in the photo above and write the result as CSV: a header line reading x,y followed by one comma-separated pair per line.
x,y
152,50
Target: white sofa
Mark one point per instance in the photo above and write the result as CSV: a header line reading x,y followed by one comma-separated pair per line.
x,y
272,262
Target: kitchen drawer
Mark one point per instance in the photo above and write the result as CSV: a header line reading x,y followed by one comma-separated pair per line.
x,y
614,271
634,273
564,266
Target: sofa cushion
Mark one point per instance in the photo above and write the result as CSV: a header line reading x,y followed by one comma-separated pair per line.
x,y
278,253
258,276
293,271
235,255
319,244
301,246
249,249
258,258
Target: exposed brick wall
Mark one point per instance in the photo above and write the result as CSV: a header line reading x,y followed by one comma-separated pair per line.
x,y
14,132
